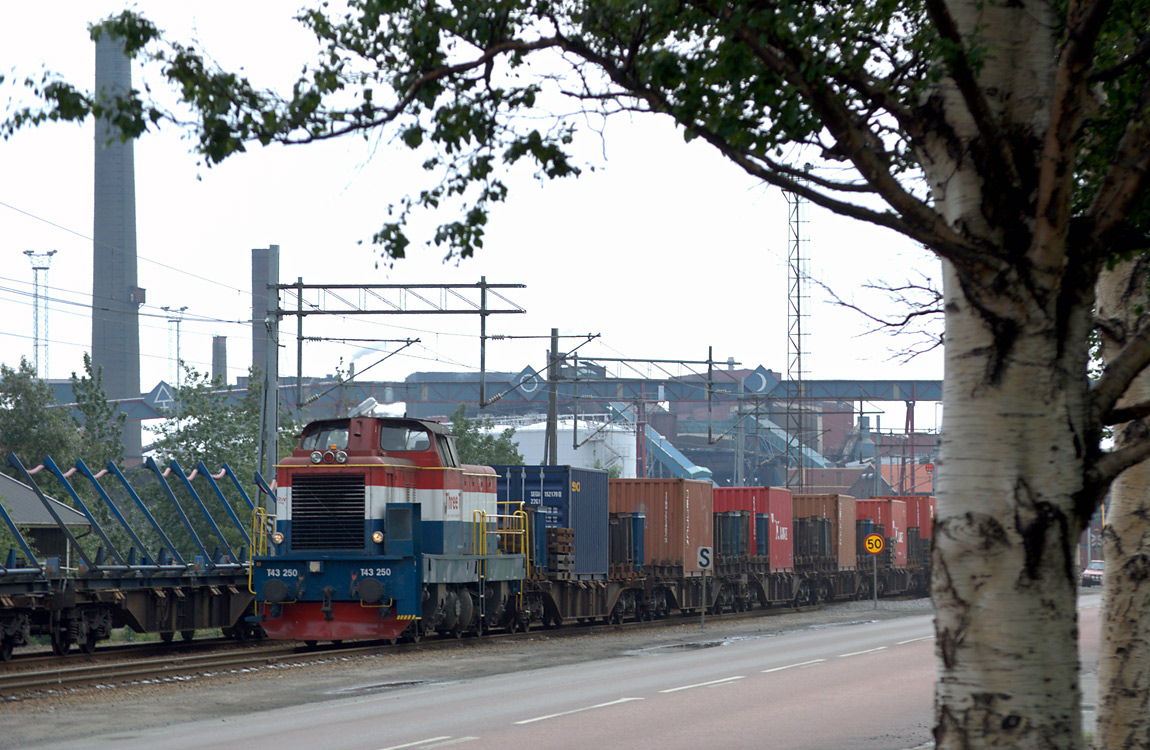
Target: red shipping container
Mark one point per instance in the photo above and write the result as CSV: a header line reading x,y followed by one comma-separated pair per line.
x,y
678,517
891,513
775,502
840,509
919,512
922,515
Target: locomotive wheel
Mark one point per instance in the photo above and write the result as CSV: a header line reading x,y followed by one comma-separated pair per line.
x,y
88,645
311,644
6,646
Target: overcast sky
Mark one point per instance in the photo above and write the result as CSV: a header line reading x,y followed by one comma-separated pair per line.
x,y
665,249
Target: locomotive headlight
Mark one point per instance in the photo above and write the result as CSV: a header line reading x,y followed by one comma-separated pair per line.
x,y
316,457
377,537
278,538
340,457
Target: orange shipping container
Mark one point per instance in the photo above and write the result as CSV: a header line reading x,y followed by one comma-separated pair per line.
x,y
840,509
678,515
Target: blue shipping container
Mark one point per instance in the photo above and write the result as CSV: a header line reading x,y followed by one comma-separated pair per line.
x,y
570,498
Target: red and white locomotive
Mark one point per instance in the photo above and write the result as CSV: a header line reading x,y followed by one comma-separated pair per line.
x,y
380,529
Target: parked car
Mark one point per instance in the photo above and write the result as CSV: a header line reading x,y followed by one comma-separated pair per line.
x,y
1092,573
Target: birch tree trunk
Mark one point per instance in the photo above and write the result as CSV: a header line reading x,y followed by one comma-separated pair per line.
x,y
1003,586
1124,667
1014,442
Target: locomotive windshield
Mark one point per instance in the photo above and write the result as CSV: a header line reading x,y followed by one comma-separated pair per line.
x,y
400,438
325,436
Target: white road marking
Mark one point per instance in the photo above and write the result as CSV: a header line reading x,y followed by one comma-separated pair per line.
x,y
858,653
417,743
703,684
916,640
576,710
792,666
455,741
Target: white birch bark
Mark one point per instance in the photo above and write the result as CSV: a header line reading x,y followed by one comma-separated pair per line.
x,y
1003,587
1124,667
1012,453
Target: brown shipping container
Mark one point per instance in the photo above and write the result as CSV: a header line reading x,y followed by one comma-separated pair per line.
x,y
840,509
678,517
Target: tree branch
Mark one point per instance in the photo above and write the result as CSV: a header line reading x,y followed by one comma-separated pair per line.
x,y
1109,465
1120,372
1141,54
1056,163
1127,413
1125,180
861,146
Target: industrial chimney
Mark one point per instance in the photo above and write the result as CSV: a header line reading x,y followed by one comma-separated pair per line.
x,y
115,296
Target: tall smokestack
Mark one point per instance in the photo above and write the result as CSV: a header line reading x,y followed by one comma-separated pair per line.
x,y
115,296
220,359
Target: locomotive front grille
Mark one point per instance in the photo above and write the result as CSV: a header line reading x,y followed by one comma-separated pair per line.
x,y
328,512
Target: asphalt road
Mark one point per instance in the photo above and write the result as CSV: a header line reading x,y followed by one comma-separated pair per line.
x,y
865,685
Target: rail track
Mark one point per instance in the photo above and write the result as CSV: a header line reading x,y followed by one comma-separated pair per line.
x,y
31,677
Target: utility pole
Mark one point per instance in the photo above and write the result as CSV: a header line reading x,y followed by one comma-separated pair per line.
x,y
175,316
40,263
553,359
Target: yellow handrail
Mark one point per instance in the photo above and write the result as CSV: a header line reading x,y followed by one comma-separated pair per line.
x,y
262,523
513,533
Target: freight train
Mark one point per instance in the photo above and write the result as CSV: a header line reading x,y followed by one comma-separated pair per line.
x,y
374,529
379,531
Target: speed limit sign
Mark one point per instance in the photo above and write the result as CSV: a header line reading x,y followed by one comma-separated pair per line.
x,y
874,543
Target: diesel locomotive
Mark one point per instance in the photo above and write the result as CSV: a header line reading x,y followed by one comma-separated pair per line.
x,y
378,529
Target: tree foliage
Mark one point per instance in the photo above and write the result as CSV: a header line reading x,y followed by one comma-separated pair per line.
x,y
101,423
32,424
477,442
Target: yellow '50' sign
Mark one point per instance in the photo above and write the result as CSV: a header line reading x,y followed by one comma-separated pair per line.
x,y
874,543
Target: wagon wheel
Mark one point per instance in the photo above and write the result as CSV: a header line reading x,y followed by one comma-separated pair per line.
x,y
167,636
187,635
88,645
61,643
6,646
